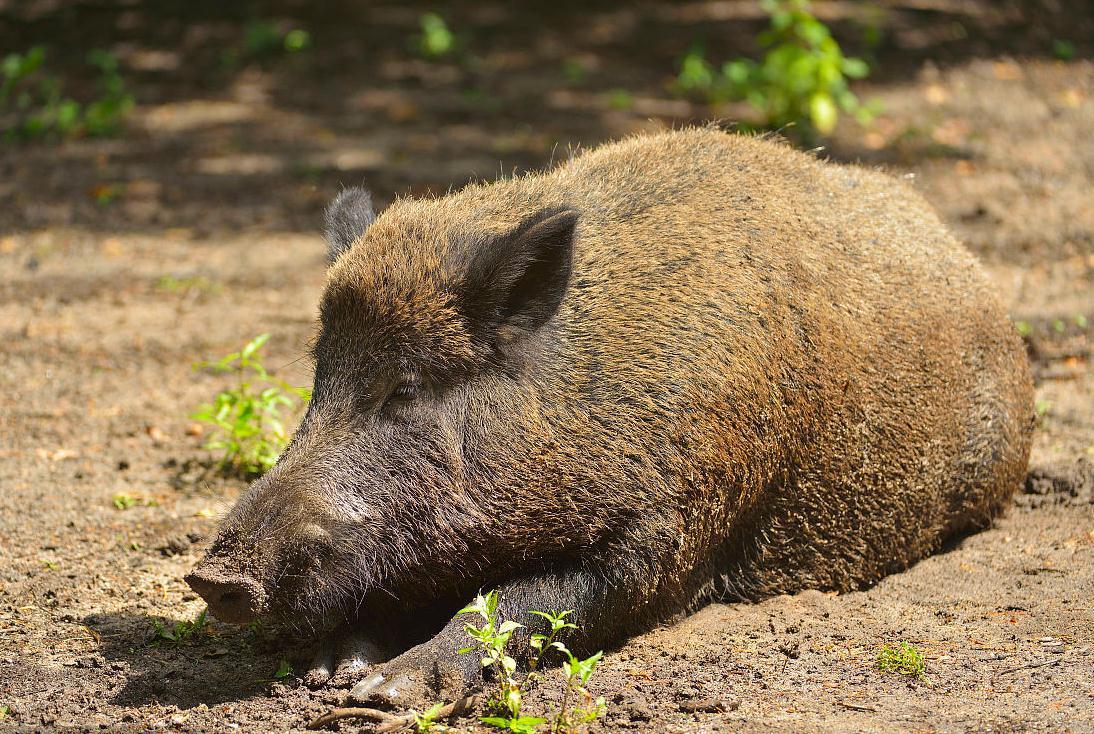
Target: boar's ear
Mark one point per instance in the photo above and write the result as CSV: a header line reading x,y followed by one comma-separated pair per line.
x,y
346,219
518,279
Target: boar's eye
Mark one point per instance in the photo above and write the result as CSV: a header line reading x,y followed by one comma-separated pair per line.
x,y
403,392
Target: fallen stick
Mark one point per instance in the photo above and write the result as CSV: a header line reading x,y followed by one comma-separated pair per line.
x,y
856,706
1027,667
388,722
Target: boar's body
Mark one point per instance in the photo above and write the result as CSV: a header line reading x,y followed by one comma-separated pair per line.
x,y
735,370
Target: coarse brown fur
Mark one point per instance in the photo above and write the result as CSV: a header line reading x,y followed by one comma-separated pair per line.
x,y
765,373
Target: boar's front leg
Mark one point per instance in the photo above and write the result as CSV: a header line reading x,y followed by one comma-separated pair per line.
x,y
603,610
344,656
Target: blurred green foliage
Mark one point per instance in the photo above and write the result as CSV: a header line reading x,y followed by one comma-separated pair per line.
x,y
436,40
33,103
802,79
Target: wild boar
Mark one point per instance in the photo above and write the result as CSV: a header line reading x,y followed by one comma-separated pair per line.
x,y
681,367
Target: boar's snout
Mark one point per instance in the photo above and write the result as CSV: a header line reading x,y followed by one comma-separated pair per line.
x,y
231,598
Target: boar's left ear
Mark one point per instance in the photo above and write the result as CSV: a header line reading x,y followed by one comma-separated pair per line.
x,y
519,278
346,219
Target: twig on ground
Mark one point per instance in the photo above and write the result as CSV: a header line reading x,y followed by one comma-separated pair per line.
x,y
388,722
856,706
1029,666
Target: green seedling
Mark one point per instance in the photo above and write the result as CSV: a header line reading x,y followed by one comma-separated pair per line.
x,y
802,80
904,659
491,641
33,103
125,501
435,40
5,712
177,634
51,565
265,38
575,70
284,670
427,720
1025,329
620,99
1080,320
1063,49
246,419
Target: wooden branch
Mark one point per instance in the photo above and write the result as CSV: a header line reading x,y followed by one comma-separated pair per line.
x,y
388,722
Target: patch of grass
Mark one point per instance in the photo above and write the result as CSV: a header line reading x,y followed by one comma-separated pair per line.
x,y
187,284
246,418
177,634
802,80
491,640
1063,49
620,99
904,659
575,70
33,103
123,501
265,38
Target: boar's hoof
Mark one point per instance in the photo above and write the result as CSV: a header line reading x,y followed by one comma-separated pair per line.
x,y
343,658
418,677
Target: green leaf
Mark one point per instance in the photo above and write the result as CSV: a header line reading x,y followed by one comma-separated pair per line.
x,y
822,112
254,345
855,68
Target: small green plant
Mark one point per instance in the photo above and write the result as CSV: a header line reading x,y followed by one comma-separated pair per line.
x,y
427,720
435,40
263,38
247,417
1063,49
620,99
176,634
33,103
904,659
802,79
51,565
491,640
5,711
1024,328
284,670
125,501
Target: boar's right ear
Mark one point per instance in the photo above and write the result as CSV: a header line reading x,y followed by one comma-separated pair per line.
x,y
518,278
346,219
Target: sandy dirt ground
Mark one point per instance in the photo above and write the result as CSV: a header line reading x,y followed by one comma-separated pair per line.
x,y
210,236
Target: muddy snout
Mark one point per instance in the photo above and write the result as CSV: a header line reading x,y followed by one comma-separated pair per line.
x,y
231,597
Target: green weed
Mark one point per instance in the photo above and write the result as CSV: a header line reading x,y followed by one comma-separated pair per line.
x,y
246,418
51,565
33,103
5,712
177,634
284,670
903,658
490,642
801,81
435,40
427,720
123,501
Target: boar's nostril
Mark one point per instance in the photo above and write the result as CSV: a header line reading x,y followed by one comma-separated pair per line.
x,y
239,600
